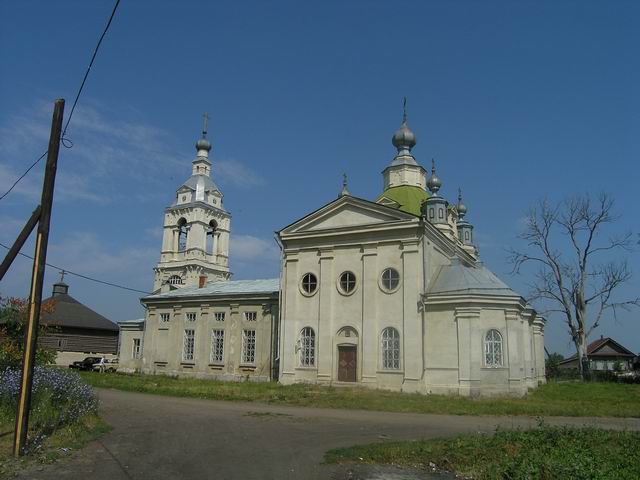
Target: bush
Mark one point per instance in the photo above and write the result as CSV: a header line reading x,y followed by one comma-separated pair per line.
x,y
59,398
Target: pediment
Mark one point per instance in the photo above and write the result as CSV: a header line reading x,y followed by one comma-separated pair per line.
x,y
347,212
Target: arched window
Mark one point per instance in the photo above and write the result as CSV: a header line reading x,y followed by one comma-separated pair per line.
x,y
309,283
307,347
347,282
175,280
211,236
493,356
390,349
182,235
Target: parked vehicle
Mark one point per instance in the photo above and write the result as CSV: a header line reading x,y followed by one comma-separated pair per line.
x,y
86,364
105,365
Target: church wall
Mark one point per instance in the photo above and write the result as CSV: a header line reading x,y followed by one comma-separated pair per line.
x,y
441,350
126,361
164,351
368,310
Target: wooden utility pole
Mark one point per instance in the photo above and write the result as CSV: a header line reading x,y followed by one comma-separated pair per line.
x,y
37,279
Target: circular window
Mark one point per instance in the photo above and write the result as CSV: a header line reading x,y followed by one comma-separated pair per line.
x,y
390,279
347,282
309,284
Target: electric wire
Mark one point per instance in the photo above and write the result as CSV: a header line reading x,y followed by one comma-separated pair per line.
x,y
82,276
66,142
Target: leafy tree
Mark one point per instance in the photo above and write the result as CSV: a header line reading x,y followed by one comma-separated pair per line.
x,y
13,321
567,244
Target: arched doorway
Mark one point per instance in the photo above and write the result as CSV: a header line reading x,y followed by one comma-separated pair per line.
x,y
347,354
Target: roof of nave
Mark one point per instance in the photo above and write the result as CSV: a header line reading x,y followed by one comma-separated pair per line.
x,y
409,198
230,287
464,279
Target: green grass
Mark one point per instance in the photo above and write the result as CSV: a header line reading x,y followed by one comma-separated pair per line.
x,y
546,453
566,399
62,442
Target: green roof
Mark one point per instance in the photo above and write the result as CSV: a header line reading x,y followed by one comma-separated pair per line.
x,y
409,198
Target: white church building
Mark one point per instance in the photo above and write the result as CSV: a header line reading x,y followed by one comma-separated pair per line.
x,y
385,294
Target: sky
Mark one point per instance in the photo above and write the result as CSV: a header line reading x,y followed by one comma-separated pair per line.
x,y
516,101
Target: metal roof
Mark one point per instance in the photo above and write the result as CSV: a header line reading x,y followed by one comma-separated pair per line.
x,y
192,181
231,287
134,321
68,312
459,278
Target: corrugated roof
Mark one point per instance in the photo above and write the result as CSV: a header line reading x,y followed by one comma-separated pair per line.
x,y
461,278
232,287
68,312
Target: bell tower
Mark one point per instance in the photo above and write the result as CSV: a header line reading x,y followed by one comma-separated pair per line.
x,y
195,241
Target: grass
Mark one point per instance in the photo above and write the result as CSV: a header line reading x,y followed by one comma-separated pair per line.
x,y
545,453
62,442
553,399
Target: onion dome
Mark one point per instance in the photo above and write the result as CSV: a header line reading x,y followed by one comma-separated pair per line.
x,y
404,139
434,183
203,145
461,207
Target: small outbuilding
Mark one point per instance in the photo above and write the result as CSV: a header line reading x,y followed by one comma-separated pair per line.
x,y
75,330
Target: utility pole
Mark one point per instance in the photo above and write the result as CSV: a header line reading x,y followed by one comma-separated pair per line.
x,y
37,279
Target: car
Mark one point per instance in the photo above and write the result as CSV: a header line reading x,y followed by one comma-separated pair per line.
x,y
106,365
86,364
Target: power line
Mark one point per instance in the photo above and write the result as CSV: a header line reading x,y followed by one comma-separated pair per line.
x,y
65,141
83,276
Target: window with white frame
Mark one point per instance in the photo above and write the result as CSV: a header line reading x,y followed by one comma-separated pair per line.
x,y
175,280
390,279
191,316
217,346
218,316
307,347
493,351
390,349
249,346
347,282
165,317
250,316
137,348
188,345
309,283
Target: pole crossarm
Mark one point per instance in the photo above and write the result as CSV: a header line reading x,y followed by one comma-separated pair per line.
x,y
20,241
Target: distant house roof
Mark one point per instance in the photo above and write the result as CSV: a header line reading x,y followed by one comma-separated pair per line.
x,y
603,347
232,287
68,312
459,278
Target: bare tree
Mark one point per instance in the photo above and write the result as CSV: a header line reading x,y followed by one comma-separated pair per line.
x,y
566,243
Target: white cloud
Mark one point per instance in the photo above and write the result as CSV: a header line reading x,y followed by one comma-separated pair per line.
x,y
247,248
236,173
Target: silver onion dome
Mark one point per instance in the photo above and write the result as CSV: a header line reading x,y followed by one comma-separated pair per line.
x,y
404,138
203,143
434,183
461,207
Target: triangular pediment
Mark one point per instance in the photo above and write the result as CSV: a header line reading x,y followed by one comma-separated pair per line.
x,y
347,212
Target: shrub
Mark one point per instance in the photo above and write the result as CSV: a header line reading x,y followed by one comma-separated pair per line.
x,y
59,398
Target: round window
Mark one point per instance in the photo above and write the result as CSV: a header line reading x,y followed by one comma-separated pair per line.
x,y
390,279
347,282
309,283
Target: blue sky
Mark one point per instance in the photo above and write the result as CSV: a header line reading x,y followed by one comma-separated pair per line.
x,y
515,100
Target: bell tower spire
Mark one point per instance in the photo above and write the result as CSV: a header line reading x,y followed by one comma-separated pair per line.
x,y
196,227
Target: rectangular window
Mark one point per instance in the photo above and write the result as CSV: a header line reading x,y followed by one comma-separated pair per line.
x,y
217,346
137,348
249,346
188,345
250,316
165,317
219,316
191,317
440,213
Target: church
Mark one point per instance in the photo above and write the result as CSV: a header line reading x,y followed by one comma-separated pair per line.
x,y
387,293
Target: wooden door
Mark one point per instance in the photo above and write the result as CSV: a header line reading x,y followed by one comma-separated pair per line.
x,y
347,355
